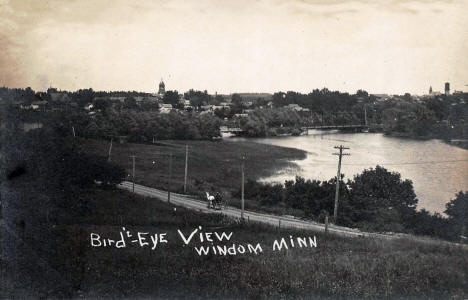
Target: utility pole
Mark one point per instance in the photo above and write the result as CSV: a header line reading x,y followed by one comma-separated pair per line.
x,y
242,188
462,235
170,179
326,223
133,173
338,177
186,167
110,149
365,115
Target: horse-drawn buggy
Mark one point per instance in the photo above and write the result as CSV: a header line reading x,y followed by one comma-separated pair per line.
x,y
215,201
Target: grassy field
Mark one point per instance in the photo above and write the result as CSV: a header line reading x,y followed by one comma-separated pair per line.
x,y
212,166
336,268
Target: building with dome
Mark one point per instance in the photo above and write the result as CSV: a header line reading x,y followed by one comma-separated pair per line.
x,y
162,89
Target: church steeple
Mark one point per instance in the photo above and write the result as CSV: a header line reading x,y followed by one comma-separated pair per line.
x,y
430,90
162,88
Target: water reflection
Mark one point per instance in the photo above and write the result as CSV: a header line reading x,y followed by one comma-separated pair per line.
x,y
438,170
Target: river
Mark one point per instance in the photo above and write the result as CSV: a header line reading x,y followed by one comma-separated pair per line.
x,y
438,170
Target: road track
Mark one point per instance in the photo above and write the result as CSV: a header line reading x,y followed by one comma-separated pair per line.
x,y
283,221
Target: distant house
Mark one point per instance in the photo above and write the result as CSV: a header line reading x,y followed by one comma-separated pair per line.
x,y
165,108
30,106
188,108
89,106
206,112
139,99
27,126
184,102
216,107
381,97
296,107
35,105
241,115
206,107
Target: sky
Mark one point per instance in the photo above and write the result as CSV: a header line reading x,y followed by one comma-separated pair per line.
x,y
388,46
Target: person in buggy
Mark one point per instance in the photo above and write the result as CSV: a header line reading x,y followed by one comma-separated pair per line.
x,y
217,201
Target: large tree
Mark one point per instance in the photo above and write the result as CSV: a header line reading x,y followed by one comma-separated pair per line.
x,y
198,98
380,199
130,103
171,97
457,210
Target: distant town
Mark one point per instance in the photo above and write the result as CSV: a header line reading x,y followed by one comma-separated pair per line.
x,y
200,115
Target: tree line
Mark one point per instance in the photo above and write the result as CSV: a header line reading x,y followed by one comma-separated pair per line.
x,y
375,200
443,116
437,116
148,126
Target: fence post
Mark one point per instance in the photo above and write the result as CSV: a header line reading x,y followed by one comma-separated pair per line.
x,y
326,224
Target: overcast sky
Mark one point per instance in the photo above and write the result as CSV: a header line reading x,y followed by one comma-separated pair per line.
x,y
389,46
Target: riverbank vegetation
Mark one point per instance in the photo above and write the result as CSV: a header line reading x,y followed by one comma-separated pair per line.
x,y
375,200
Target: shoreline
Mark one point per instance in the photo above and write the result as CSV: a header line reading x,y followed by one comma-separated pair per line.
x,y
460,143
212,165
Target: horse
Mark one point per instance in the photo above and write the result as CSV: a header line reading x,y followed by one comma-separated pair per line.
x,y
210,199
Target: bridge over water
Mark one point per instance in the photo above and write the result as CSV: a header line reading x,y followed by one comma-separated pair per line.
x,y
356,127
336,127
225,129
